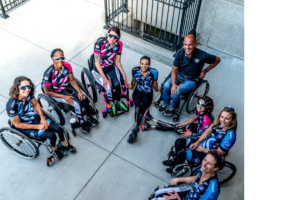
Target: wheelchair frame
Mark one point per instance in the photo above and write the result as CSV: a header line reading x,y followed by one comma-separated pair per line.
x,y
32,142
187,97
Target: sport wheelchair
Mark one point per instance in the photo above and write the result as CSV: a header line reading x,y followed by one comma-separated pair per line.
x,y
56,109
191,98
223,175
28,146
90,85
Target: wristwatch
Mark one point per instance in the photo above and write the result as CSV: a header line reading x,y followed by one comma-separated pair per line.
x,y
173,82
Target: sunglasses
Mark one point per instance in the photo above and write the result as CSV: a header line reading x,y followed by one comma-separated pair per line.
x,y
203,105
218,154
113,36
231,108
24,87
145,57
59,58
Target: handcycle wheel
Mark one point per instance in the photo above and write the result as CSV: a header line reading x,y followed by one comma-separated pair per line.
x,y
48,104
201,90
19,143
89,84
223,175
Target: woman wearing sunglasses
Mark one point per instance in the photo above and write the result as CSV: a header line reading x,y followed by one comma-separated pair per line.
x,y
144,79
59,83
220,136
20,109
107,66
206,186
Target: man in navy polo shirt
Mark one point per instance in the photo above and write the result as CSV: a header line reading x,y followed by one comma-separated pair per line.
x,y
186,72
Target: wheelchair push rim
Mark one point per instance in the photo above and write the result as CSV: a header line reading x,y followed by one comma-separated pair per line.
x,y
201,90
89,84
19,143
48,104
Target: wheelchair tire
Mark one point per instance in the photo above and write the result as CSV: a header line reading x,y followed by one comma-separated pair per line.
x,y
50,105
19,143
201,90
223,175
88,82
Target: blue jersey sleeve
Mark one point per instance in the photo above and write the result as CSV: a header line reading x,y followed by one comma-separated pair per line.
x,y
212,191
154,72
134,71
228,141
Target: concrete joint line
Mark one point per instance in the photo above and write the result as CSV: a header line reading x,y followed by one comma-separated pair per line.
x,y
232,3
212,24
4,96
82,50
94,3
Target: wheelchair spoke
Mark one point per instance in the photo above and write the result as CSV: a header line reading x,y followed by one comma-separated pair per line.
x,y
50,109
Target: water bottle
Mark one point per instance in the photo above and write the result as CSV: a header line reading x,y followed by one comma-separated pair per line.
x,y
108,108
182,172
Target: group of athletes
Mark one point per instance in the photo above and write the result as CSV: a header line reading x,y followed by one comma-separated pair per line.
x,y
206,142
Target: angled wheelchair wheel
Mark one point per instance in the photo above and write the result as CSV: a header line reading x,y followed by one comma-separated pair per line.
x,y
89,84
201,90
82,87
48,104
19,143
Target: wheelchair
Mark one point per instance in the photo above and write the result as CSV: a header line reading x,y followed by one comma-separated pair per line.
x,y
223,175
58,110
191,98
91,85
28,146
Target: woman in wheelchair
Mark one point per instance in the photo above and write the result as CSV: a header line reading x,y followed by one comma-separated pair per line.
x,y
60,84
220,136
206,185
145,79
107,67
187,129
21,114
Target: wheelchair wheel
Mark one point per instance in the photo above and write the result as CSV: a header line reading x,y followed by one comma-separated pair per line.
x,y
19,143
48,104
201,90
89,84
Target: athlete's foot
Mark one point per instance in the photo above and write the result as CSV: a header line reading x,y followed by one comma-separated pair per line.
x,y
170,111
162,108
85,127
92,120
147,115
145,125
60,153
67,147
121,105
169,162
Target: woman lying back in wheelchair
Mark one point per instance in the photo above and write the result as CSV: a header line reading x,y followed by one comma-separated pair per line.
x,y
206,186
21,113
220,136
60,84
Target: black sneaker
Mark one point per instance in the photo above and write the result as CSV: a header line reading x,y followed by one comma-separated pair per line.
x,y
170,169
85,127
59,153
170,111
147,115
169,162
92,120
162,108
68,148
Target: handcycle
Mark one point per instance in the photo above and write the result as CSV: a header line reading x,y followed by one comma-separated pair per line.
x,y
58,110
91,86
28,146
191,98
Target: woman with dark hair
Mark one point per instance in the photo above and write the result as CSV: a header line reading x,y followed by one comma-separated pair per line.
x,y
59,83
20,109
206,186
220,136
144,79
107,67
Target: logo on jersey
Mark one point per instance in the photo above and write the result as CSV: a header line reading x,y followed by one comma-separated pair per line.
x,y
115,49
12,112
46,78
196,60
196,160
227,144
65,72
201,187
206,126
219,136
97,46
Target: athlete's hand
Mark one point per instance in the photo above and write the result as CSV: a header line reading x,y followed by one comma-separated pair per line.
x,y
42,127
69,99
186,134
174,87
194,146
45,122
202,75
173,182
172,196
105,82
124,77
81,96
180,125
158,88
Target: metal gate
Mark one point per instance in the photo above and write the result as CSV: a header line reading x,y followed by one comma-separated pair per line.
x,y
162,22
7,5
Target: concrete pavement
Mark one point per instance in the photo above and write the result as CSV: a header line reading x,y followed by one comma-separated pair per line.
x,y
105,166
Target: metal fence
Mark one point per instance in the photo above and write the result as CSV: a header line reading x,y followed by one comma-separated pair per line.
x,y
162,22
7,5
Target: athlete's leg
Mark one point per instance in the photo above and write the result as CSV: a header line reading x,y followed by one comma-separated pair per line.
x,y
99,80
181,190
167,92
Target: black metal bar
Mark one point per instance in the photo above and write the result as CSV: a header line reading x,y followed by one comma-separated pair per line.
x,y
181,25
161,21
167,21
106,14
197,14
4,15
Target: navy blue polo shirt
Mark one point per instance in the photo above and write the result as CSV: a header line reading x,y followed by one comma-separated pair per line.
x,y
192,67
